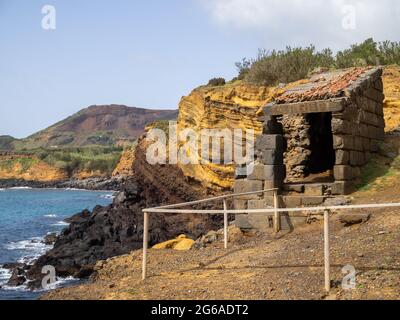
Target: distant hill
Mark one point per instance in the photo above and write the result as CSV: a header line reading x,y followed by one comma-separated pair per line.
x,y
7,143
104,125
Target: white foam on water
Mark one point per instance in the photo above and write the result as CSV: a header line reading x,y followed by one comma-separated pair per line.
x,y
34,246
60,224
5,274
21,188
50,216
107,196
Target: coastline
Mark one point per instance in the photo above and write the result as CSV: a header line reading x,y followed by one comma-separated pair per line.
x,y
91,184
33,246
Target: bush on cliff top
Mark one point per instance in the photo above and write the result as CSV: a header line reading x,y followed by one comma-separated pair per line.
x,y
292,64
215,82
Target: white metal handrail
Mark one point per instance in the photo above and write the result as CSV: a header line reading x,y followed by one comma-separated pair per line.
x,y
325,210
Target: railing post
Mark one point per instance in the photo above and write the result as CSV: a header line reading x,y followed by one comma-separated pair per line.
x,y
277,222
225,225
327,251
145,244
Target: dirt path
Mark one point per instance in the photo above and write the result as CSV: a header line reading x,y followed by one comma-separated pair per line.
x,y
262,267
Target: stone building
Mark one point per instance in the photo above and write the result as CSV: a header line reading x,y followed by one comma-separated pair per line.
x,y
316,138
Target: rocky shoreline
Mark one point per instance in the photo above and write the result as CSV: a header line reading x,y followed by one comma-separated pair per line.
x,y
117,229
93,184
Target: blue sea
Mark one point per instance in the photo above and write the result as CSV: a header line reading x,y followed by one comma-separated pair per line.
x,y
26,216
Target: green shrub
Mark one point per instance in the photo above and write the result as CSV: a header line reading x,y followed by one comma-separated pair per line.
x,y
292,64
215,82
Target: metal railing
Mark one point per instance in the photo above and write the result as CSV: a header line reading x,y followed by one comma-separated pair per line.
x,y
276,211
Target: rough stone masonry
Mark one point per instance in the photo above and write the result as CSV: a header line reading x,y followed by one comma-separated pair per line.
x,y
331,125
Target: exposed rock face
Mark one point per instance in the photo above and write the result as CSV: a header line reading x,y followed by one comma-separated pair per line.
x,y
124,166
391,87
233,106
296,131
28,168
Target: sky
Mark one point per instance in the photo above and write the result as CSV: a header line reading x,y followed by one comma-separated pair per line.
x,y
151,53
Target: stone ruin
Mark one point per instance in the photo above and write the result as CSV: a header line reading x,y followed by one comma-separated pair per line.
x,y
316,138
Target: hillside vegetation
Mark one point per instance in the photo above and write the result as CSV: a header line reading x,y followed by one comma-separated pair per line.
x,y
292,64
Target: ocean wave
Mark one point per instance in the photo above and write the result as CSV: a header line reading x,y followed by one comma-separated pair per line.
x,y
107,196
60,224
5,274
50,216
21,188
34,246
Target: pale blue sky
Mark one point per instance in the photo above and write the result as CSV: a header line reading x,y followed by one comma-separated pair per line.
x,y
151,53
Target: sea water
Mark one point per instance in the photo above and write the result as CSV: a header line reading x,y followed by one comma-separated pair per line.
x,y
26,216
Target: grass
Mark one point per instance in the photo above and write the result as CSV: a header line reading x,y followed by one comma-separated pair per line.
x,y
26,163
103,159
377,173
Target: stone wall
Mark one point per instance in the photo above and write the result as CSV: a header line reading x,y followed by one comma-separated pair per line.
x,y
358,130
296,131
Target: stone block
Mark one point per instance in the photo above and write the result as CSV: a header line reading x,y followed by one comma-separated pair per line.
x,y
267,172
242,222
378,85
240,204
270,157
292,202
299,188
272,126
374,145
366,144
356,172
268,201
343,142
312,201
313,190
343,173
340,126
342,157
260,221
342,188
375,95
272,184
258,204
358,144
245,186
357,158
270,142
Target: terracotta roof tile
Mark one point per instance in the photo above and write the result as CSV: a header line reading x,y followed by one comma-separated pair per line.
x,y
322,86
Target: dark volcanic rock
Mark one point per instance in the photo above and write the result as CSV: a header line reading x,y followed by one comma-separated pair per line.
x,y
18,277
50,239
354,218
107,184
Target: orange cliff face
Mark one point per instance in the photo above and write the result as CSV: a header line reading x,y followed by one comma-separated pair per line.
x,y
391,87
124,166
29,168
233,106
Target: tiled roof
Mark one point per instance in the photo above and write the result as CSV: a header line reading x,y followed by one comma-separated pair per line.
x,y
323,86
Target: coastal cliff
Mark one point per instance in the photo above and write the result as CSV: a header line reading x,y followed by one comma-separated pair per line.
x,y
232,106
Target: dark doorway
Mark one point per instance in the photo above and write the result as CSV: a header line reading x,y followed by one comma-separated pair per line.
x,y
322,157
